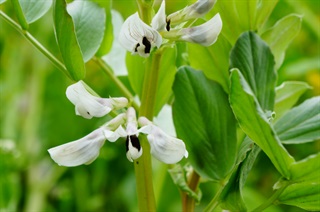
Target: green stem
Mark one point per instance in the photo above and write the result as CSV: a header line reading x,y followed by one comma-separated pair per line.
x,y
145,8
108,70
35,42
143,168
215,201
272,199
188,201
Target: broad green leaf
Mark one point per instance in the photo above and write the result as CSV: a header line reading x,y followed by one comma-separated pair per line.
x,y
33,10
212,60
305,195
254,123
246,13
109,34
253,58
307,169
89,21
137,65
19,13
281,34
287,94
179,177
301,124
204,121
67,41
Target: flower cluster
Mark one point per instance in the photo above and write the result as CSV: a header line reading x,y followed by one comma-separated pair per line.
x,y
140,38
85,150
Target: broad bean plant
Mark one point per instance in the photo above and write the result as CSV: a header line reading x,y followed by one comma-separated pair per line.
x,y
194,87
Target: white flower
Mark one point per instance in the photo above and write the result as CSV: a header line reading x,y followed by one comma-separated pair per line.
x,y
133,147
205,34
159,21
137,37
88,105
86,149
196,10
163,147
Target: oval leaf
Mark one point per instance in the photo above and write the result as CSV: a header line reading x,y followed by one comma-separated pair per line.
x,y
67,41
281,34
301,123
254,123
89,21
33,10
253,58
204,121
287,94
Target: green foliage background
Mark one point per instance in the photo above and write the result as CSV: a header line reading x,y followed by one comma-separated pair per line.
x,y
35,115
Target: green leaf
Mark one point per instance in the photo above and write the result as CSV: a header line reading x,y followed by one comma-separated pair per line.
x,y
136,66
231,196
281,34
307,169
254,123
301,123
212,60
287,94
19,13
204,121
89,21
33,10
305,195
239,16
253,58
108,33
67,41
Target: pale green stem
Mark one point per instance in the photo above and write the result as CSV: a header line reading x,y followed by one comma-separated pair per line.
x,y
35,42
108,70
188,202
271,200
143,168
145,8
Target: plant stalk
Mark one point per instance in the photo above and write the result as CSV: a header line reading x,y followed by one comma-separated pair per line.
x,y
188,202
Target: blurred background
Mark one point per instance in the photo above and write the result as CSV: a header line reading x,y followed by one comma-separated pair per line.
x,y
35,115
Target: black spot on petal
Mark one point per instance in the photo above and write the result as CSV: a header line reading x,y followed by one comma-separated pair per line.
x,y
168,25
147,45
136,49
134,141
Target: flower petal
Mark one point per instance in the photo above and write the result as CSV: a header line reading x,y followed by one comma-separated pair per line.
x,y
82,151
196,10
205,34
159,21
132,124
134,149
165,148
88,106
113,136
138,37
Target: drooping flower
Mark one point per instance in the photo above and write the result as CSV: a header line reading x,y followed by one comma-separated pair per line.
x,y
88,105
87,149
137,37
133,147
164,147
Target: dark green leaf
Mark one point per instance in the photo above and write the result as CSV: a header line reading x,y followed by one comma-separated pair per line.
x,y
281,34
301,124
67,41
204,121
253,58
287,94
212,60
33,10
254,123
89,21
